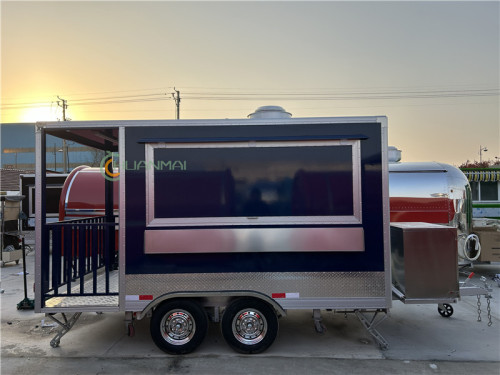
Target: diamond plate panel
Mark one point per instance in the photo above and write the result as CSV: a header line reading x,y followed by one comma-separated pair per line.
x,y
83,302
307,284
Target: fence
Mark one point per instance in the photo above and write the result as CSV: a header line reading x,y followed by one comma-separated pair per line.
x,y
83,255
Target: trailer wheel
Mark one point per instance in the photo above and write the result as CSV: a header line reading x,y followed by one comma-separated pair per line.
x,y
249,325
179,327
445,310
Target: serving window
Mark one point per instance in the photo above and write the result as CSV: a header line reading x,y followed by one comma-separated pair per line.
x,y
253,183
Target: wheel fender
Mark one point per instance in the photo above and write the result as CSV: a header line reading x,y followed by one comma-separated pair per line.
x,y
152,305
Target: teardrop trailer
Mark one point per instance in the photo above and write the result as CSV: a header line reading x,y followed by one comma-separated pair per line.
x,y
233,220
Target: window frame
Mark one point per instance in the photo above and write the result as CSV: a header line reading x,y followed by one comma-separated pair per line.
x,y
355,218
479,186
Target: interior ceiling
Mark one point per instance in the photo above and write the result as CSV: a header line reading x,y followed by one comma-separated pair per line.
x,y
102,139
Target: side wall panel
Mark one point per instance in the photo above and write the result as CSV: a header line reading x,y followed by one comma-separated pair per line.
x,y
353,278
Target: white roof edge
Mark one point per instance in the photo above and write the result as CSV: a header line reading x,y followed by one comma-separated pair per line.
x,y
424,166
201,122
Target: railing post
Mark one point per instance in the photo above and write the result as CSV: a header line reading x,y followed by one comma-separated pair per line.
x,y
42,253
45,260
109,232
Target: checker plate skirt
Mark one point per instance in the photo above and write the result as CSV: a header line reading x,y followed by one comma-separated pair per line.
x,y
82,301
308,284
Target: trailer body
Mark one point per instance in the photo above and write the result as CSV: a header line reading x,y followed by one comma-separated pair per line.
x,y
253,216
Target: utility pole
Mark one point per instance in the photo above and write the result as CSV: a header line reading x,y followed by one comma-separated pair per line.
x,y
64,145
55,158
177,100
64,106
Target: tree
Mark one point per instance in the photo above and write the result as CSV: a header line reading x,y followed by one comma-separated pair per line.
x,y
479,164
96,157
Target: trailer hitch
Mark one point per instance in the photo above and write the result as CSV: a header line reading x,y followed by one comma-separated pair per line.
x,y
484,290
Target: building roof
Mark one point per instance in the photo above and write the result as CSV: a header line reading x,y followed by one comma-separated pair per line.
x,y
9,178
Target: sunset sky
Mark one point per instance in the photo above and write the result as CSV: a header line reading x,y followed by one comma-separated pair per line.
x,y
431,67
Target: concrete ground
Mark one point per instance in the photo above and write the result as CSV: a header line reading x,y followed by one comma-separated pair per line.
x,y
421,341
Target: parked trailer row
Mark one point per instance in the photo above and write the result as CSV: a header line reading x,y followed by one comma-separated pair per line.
x,y
429,192
233,220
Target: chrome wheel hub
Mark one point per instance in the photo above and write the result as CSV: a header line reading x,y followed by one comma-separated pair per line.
x,y
249,327
178,327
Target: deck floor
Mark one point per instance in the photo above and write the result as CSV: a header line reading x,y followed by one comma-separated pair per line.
x,y
86,302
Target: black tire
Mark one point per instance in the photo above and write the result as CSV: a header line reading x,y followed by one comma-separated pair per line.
x,y
261,325
179,326
447,311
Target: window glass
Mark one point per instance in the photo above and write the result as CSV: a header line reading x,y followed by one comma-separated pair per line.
x,y
52,195
475,190
253,181
489,191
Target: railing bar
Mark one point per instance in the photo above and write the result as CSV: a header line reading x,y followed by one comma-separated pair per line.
x,y
68,248
56,259
88,245
82,253
94,259
101,246
74,254
107,249
89,223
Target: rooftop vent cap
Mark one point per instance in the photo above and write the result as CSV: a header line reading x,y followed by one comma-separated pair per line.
x,y
269,111
394,155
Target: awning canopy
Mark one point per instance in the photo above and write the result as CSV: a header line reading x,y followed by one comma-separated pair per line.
x,y
483,175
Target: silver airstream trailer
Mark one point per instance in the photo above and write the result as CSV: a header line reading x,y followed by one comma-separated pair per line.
x,y
435,193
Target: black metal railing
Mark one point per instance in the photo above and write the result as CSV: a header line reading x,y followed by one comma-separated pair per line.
x,y
83,255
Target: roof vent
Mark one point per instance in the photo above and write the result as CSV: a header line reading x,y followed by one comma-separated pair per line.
x,y
394,155
269,112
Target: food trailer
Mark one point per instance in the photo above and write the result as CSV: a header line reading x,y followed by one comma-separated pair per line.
x,y
233,220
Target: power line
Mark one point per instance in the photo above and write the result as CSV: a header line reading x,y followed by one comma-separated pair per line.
x,y
119,97
331,95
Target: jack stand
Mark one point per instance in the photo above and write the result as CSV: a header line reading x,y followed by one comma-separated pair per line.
x,y
371,325
129,324
318,324
26,303
65,327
